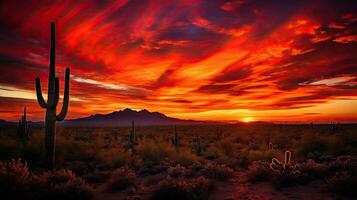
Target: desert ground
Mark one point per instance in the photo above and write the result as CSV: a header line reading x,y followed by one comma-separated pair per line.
x,y
198,162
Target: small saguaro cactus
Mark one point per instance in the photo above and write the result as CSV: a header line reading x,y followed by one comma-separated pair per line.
x,y
51,104
286,168
175,139
133,138
271,146
197,146
23,130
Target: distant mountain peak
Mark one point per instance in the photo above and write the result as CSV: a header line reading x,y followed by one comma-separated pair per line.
x,y
125,116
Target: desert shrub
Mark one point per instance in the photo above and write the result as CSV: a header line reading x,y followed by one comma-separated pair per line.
x,y
183,189
259,171
265,155
15,179
217,172
177,171
16,182
343,183
344,163
154,152
63,184
121,179
114,157
319,145
312,170
72,150
184,156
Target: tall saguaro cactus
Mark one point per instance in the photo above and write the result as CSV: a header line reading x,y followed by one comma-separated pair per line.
x,y
52,101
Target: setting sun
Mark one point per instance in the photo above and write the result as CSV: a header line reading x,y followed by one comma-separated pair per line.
x,y
248,119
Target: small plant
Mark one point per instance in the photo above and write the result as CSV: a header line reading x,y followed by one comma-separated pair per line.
x,y
175,139
133,138
23,130
287,172
285,168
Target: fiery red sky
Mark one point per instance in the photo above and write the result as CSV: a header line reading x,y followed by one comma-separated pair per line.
x,y
207,60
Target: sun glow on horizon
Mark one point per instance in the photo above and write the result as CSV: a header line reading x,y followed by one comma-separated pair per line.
x,y
247,119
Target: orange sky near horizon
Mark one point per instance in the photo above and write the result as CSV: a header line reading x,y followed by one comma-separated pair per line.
x,y
243,60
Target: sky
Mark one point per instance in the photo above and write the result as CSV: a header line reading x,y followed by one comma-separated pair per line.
x,y
244,60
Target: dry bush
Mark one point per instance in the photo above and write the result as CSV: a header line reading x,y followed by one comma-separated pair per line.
x,y
177,172
121,179
313,170
184,156
217,172
15,179
17,182
154,152
259,171
319,145
114,157
63,184
180,189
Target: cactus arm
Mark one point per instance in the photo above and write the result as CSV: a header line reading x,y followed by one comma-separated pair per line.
x,y
56,92
40,99
287,157
64,110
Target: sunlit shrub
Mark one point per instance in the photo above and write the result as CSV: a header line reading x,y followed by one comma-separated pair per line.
x,y
154,152
184,156
218,172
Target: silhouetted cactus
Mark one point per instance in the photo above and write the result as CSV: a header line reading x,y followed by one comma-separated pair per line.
x,y
133,138
23,130
197,146
175,139
286,168
52,101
